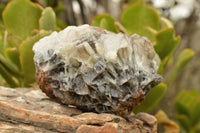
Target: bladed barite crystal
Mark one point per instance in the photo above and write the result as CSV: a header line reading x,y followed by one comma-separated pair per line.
x,y
96,70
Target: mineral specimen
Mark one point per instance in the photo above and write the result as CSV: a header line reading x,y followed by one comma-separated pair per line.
x,y
96,70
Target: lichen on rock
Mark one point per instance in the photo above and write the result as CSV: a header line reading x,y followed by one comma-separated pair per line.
x,y
96,70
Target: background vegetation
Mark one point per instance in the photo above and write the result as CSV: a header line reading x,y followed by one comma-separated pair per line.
x,y
24,22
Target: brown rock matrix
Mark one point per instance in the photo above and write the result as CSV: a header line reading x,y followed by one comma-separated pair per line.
x,y
30,111
96,70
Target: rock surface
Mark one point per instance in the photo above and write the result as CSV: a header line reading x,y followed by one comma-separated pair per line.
x,y
31,111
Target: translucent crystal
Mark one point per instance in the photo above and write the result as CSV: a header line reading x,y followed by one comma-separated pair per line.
x,y
96,70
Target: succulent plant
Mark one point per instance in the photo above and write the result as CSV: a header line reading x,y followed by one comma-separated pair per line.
x,y
24,23
187,106
96,70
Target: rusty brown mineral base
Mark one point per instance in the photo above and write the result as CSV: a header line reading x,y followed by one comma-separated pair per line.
x,y
125,108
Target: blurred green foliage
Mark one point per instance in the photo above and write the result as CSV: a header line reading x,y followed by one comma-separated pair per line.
x,y
144,20
187,107
48,20
140,18
24,23
20,18
152,98
105,21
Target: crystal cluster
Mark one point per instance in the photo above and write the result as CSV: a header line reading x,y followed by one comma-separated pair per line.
x,y
96,70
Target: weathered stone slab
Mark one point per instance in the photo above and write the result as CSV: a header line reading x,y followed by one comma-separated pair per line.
x,y
30,111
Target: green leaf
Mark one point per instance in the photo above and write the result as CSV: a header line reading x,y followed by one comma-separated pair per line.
x,y
7,76
184,121
13,55
120,28
21,17
195,112
188,103
105,21
11,68
135,1
166,42
163,65
26,58
197,128
104,24
46,3
151,99
165,23
3,39
1,42
141,19
60,24
2,6
59,8
48,20
185,56
1,79
181,109
188,100
14,41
